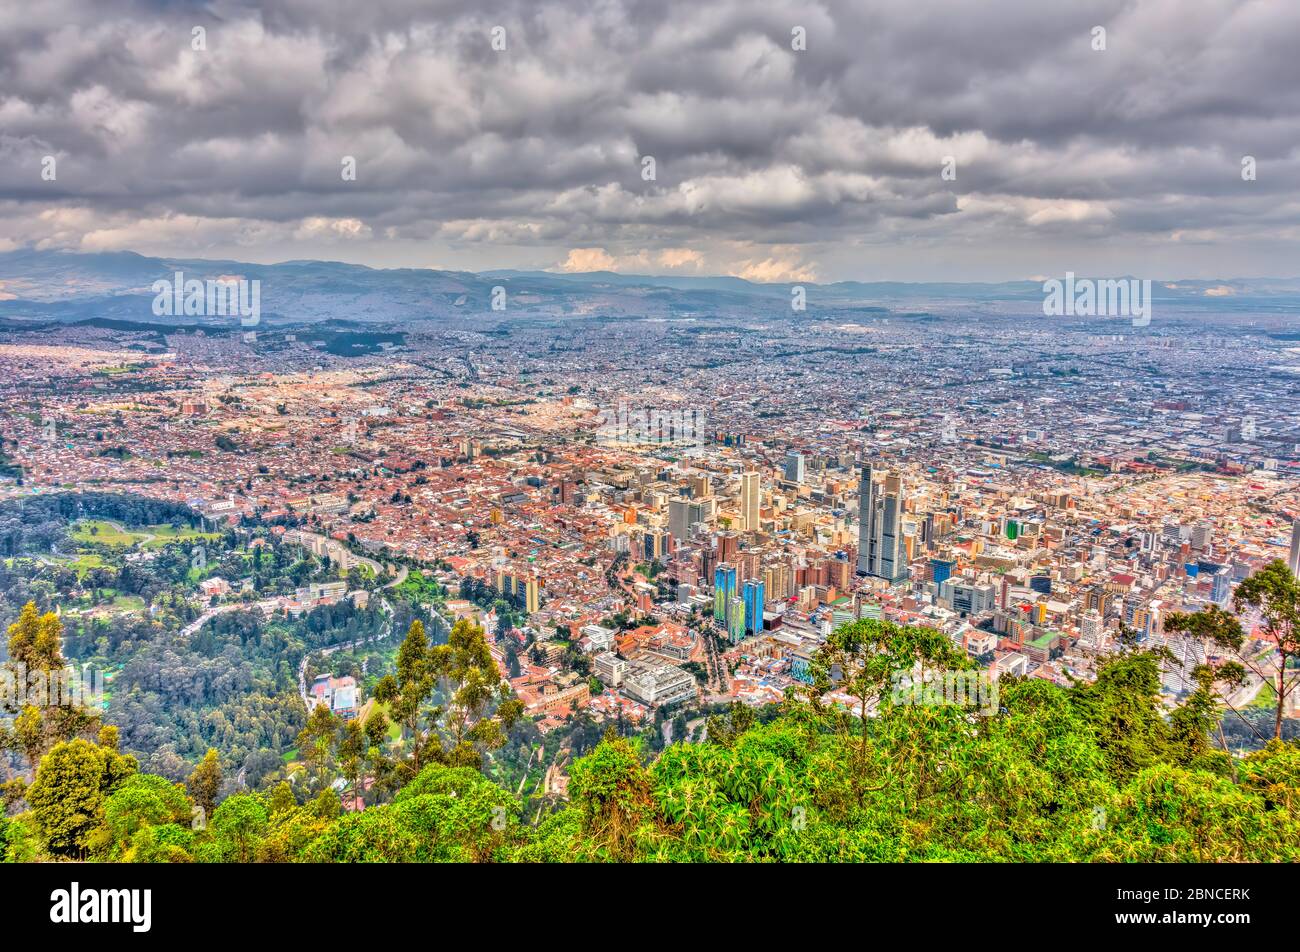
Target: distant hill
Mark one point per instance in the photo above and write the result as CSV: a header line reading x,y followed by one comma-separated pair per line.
x,y
58,286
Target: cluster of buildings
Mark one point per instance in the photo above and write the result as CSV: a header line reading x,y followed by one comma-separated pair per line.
x,y
1036,490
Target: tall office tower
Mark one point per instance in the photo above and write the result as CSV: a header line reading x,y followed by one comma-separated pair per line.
x,y
880,528
794,467
941,570
656,544
701,486
1221,586
1294,561
1202,532
1248,430
679,519
724,589
708,559
728,546
754,605
1090,629
736,619
777,580
866,511
749,501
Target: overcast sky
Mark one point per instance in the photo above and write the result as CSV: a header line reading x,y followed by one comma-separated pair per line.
x,y
770,163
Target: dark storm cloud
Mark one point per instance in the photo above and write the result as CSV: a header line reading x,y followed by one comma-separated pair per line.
x,y
770,162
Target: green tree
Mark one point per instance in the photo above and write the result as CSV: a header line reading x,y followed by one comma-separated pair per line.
x,y
238,825
1275,594
477,708
316,744
204,783
44,717
72,782
868,660
613,794
351,747
139,801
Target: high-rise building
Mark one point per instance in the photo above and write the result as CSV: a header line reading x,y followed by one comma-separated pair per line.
x,y
794,467
941,570
880,528
1294,561
1221,587
724,589
736,619
1090,629
778,580
1201,535
524,587
753,595
656,544
679,515
728,546
749,492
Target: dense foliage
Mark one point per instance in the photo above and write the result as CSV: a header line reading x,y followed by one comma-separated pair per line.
x,y
1089,773
207,753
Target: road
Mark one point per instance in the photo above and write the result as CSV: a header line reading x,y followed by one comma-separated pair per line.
x,y
199,622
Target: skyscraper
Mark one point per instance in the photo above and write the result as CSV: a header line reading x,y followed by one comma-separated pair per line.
x,y
736,619
754,591
880,528
724,589
728,546
1294,561
749,501
941,570
794,467
679,516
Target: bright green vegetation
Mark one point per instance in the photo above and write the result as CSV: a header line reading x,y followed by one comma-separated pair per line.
x,y
420,590
1266,698
104,532
447,768
125,574
1093,772
164,534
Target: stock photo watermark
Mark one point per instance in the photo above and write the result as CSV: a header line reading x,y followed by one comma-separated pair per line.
x,y
65,687
670,426
213,297
1088,297
972,689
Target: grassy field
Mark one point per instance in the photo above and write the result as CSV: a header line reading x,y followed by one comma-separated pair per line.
x,y
1266,698
85,562
166,534
99,530
150,537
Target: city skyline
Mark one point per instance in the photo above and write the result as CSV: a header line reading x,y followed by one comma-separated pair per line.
x,y
531,432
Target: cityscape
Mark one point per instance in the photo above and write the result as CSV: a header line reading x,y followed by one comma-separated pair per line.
x,y
604,546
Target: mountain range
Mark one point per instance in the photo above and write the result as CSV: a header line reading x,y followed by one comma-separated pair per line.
x,y
44,286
